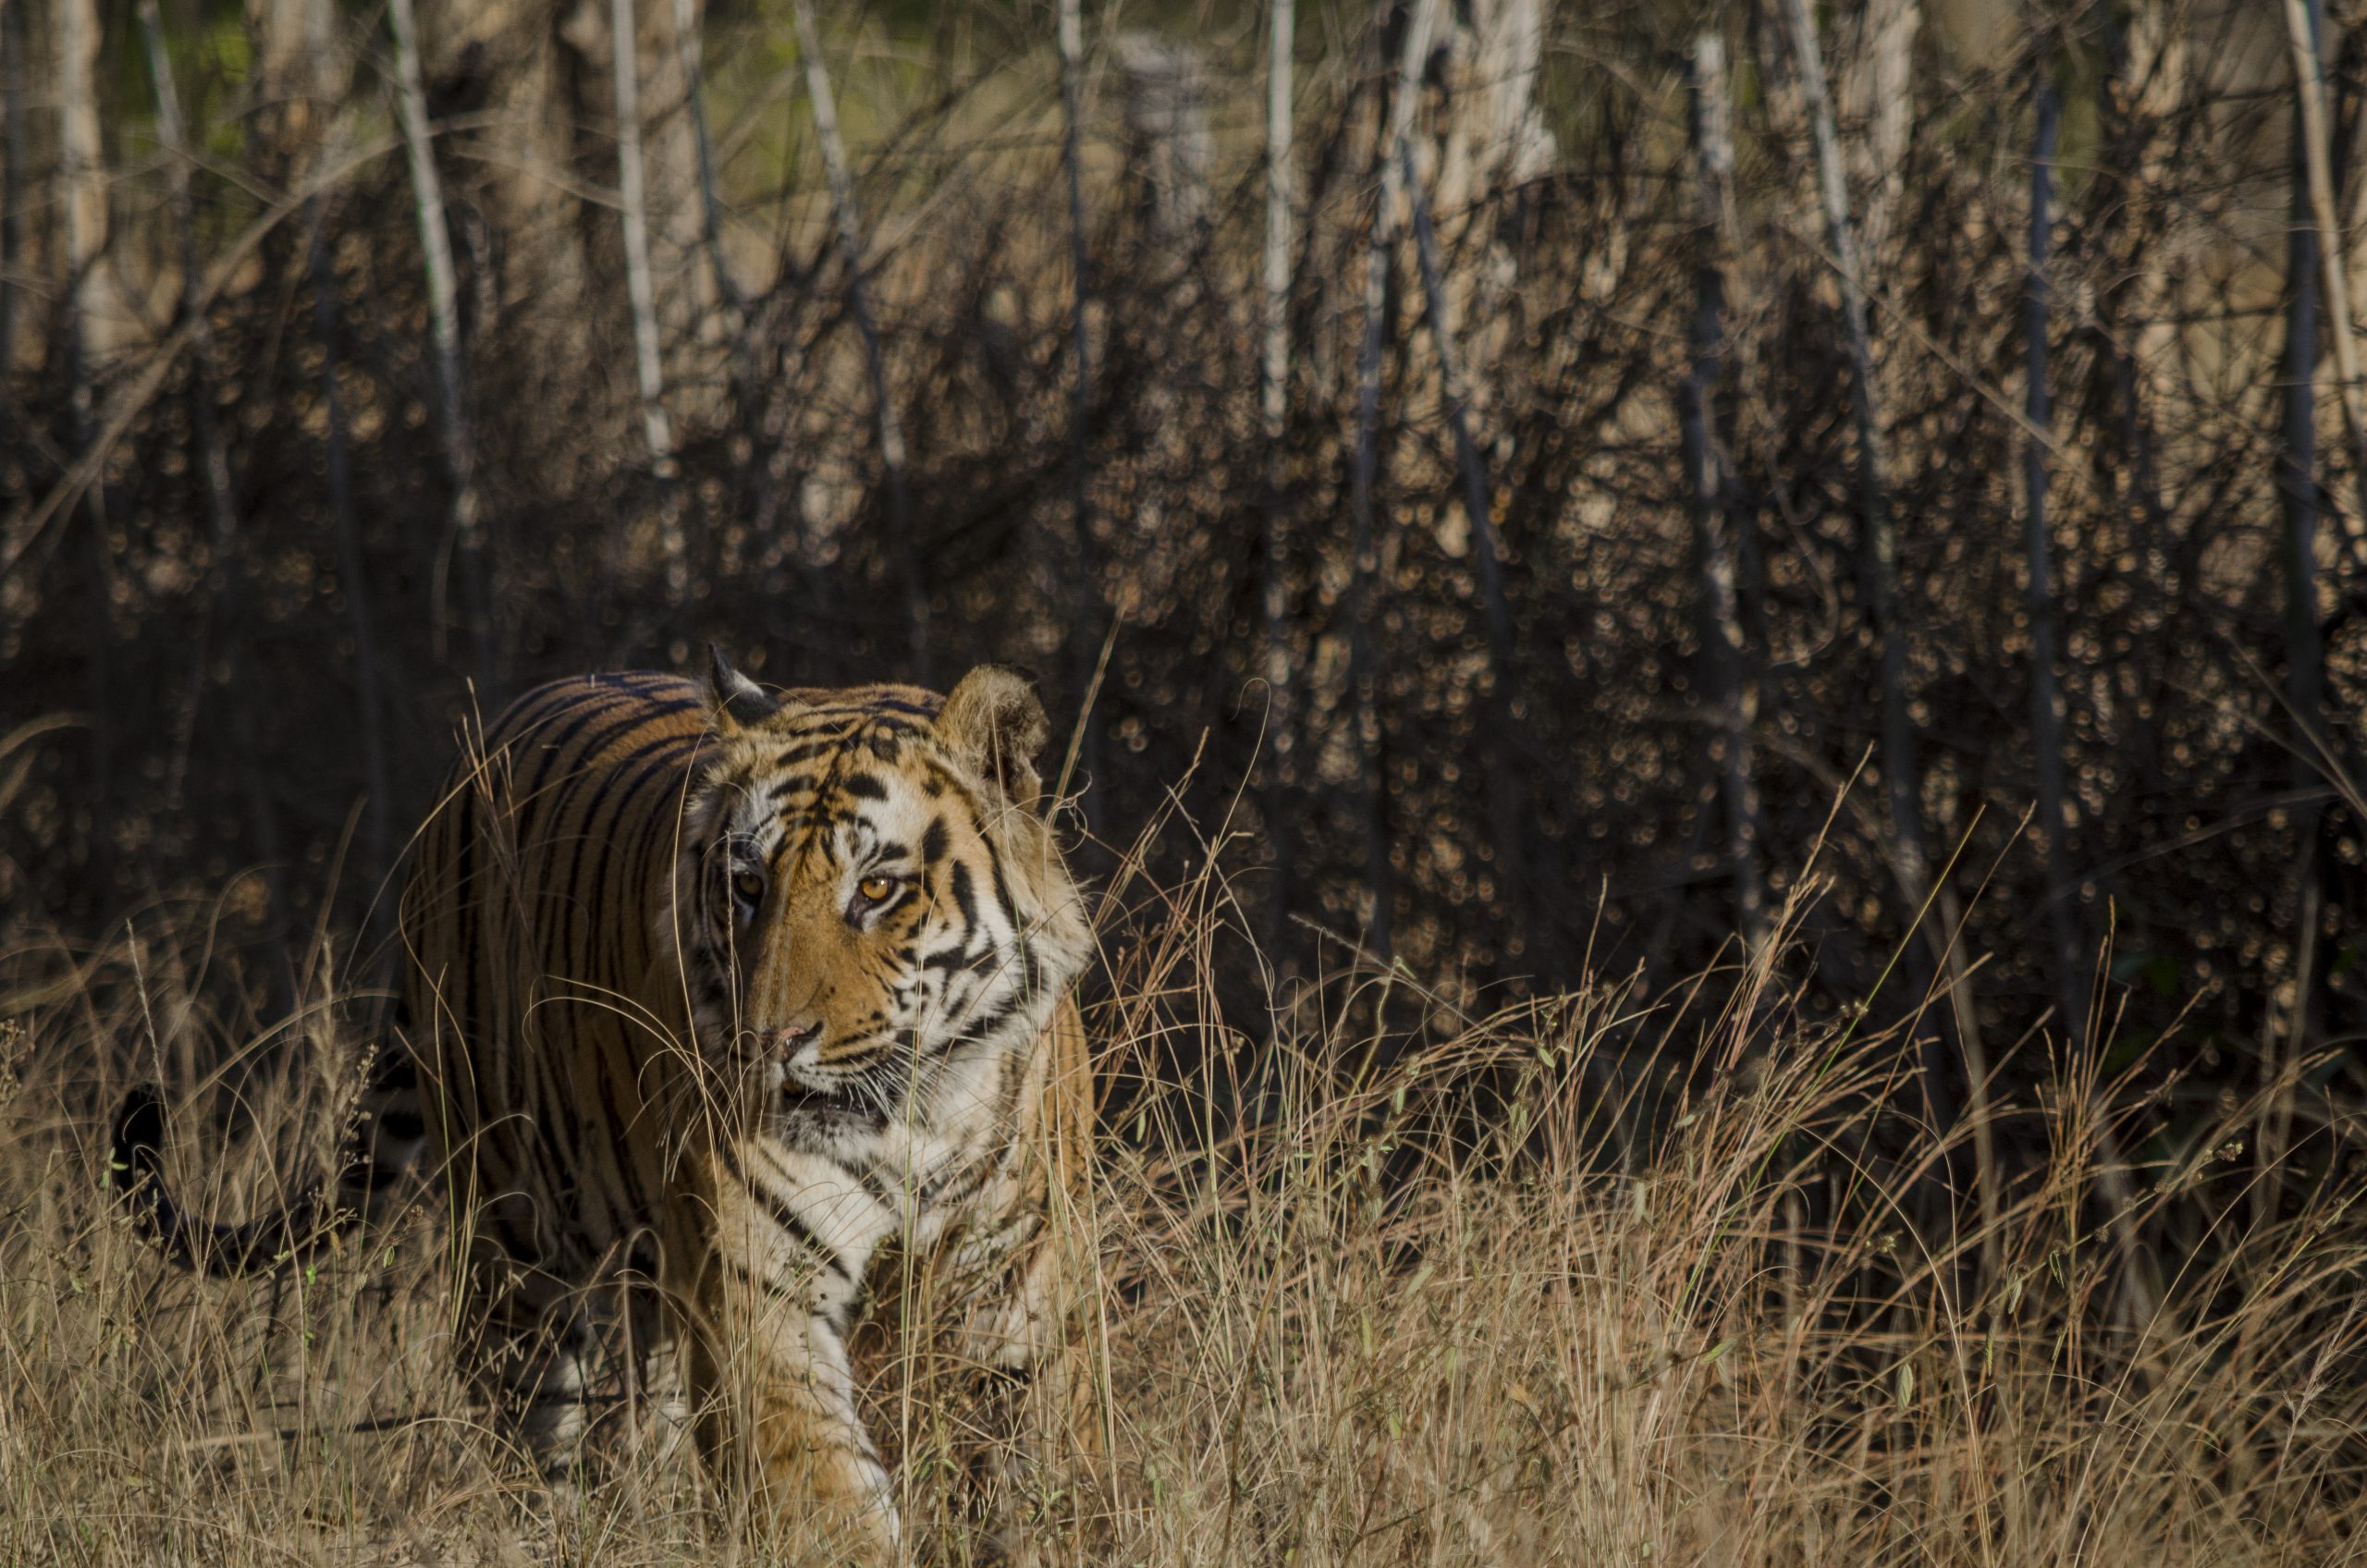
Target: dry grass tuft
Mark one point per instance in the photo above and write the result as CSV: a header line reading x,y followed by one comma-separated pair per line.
x,y
1482,1291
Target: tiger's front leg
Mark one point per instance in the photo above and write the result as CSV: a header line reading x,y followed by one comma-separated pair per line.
x,y
766,1370
1031,1390
1022,1269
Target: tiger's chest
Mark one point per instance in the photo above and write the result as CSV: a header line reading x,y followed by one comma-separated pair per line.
x,y
830,1186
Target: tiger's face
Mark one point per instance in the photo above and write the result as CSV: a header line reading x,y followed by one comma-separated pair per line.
x,y
868,900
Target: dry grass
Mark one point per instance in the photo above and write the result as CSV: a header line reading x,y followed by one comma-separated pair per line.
x,y
1511,1293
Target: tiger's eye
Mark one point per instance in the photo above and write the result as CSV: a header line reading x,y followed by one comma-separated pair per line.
x,y
748,887
876,889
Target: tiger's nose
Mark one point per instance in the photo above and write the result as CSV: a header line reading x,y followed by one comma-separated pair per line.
x,y
785,1043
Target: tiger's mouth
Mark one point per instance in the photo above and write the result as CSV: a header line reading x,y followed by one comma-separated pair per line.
x,y
802,1116
866,1087
857,1095
792,1095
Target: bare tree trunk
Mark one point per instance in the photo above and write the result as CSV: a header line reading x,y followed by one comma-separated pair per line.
x,y
1732,687
2037,549
172,132
683,294
350,564
747,389
641,290
1491,143
688,39
436,247
890,429
84,177
2140,1284
2309,74
1507,808
212,458
82,172
735,299
1879,545
297,78
1274,401
2142,70
534,69
1163,102
1878,552
1364,678
212,461
1084,615
633,198
12,171
2304,645
2305,651
1877,93
2070,955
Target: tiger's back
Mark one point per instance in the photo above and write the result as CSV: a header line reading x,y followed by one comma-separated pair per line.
x,y
527,920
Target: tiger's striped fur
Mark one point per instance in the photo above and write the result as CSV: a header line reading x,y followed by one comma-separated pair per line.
x,y
715,997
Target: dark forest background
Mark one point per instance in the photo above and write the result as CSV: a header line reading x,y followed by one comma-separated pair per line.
x,y
1643,459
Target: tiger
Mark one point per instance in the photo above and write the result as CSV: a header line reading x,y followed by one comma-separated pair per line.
x,y
731,1018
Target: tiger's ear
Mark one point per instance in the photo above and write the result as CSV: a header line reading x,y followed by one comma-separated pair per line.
x,y
993,723
734,702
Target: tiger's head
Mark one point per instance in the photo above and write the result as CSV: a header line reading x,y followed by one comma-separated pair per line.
x,y
869,901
